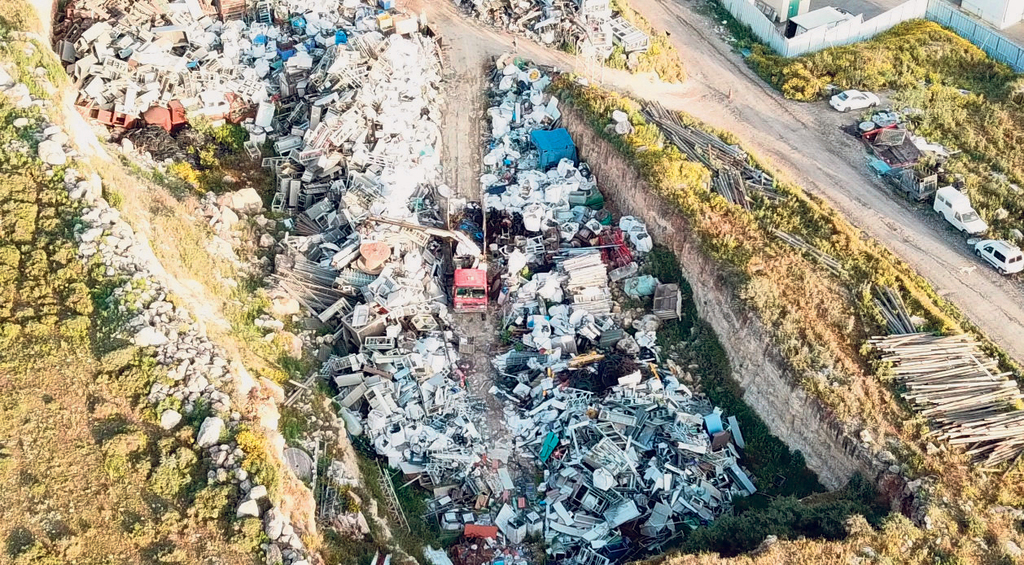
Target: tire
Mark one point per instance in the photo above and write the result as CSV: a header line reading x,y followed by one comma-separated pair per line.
x,y
1001,270
964,231
977,252
845,110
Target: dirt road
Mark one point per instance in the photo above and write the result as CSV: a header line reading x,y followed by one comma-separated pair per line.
x,y
803,140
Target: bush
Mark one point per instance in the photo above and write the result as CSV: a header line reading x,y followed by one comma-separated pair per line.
x,y
257,460
174,473
126,455
212,503
787,518
248,535
910,53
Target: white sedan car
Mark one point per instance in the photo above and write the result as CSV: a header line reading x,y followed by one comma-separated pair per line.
x,y
853,100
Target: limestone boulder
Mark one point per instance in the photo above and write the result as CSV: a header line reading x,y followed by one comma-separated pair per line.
x,y
245,201
170,419
210,431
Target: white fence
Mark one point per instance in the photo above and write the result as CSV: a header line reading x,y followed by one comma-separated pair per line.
x,y
850,31
997,46
856,29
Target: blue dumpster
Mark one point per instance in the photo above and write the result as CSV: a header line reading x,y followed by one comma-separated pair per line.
x,y
553,145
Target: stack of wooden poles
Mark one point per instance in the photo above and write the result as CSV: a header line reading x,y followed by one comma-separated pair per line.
x,y
952,382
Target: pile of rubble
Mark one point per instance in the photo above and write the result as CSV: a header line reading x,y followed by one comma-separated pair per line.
x,y
163,63
629,454
589,26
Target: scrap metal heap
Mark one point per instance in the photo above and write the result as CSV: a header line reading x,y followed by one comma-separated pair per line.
x,y
348,98
629,454
589,26
161,63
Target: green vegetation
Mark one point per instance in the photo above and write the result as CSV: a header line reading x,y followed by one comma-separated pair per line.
x,y
961,97
85,473
17,15
743,37
257,460
660,58
216,155
818,321
268,359
822,517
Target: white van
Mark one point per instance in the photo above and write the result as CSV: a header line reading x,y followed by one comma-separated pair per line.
x,y
955,207
1003,255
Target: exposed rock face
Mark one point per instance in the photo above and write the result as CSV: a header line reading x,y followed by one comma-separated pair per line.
x,y
149,337
248,509
51,153
281,307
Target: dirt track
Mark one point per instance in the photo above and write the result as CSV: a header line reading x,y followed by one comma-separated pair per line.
x,y
803,140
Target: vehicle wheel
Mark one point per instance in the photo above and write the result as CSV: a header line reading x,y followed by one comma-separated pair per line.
x,y
845,110
977,252
873,104
964,231
1001,270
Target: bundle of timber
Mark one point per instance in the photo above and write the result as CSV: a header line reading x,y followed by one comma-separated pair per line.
x,y
891,306
733,176
952,382
825,259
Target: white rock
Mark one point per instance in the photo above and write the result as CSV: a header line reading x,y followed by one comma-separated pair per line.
x,y
21,123
228,216
281,307
246,201
91,234
5,79
258,492
248,509
209,431
169,419
267,240
149,337
51,153
273,524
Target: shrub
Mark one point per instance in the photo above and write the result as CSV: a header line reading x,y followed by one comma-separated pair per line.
x,y
212,503
174,473
248,535
257,460
126,454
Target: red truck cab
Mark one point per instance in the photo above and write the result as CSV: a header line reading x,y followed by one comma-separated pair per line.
x,y
470,292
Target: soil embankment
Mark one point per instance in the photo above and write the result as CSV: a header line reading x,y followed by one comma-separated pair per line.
x,y
800,420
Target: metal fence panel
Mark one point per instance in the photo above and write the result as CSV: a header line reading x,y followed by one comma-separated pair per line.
x,y
997,46
987,39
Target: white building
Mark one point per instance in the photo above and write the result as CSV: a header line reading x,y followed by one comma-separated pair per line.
x,y
781,10
1000,13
